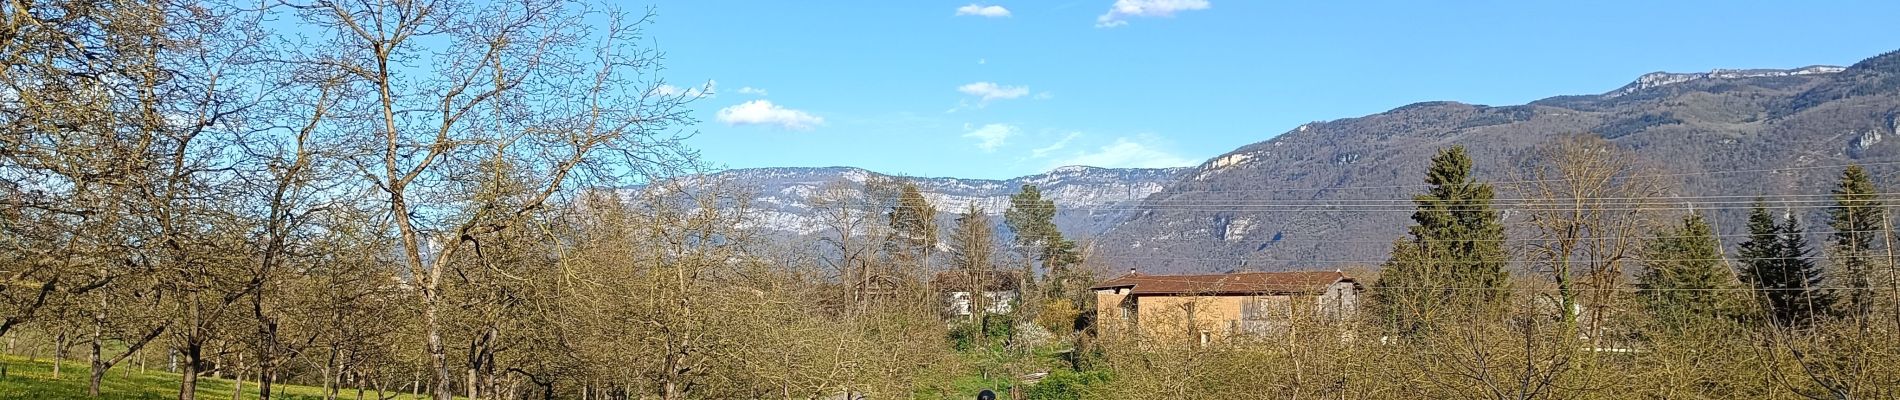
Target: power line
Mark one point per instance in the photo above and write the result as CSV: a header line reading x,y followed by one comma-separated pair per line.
x,y
1216,283
1436,262
1522,240
1718,172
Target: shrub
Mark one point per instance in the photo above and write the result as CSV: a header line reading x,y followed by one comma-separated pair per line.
x,y
1064,385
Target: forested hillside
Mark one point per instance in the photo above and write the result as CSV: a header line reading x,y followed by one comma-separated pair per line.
x,y
1314,196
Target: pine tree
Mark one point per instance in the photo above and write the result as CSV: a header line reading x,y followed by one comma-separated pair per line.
x,y
1032,219
913,224
1798,262
1777,264
1686,278
1455,256
973,242
1858,221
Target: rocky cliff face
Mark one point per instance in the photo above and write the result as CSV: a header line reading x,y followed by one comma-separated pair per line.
x,y
1276,204
1658,79
1090,199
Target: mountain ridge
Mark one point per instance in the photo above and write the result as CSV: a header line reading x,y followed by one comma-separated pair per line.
x,y
1089,198
1725,120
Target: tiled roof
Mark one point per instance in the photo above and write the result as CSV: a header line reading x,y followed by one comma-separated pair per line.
x,y
1234,283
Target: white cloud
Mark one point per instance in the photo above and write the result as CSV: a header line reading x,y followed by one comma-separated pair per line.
x,y
983,11
992,91
752,91
1144,151
702,91
1053,147
1045,95
1119,13
990,137
763,112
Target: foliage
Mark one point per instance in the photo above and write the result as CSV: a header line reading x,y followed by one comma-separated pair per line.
x,y
990,330
1775,262
973,244
1058,315
1859,221
1686,276
1454,259
913,223
1032,219
1064,384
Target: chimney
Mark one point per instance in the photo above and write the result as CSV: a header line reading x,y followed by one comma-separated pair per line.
x,y
1131,271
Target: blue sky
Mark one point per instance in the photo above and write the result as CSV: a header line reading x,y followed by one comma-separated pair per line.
x,y
999,89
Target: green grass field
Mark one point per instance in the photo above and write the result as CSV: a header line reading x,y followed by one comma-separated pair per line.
x,y
27,379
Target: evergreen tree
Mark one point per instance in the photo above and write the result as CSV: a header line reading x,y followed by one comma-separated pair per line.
x,y
973,242
1455,256
1858,220
1032,219
913,224
1686,278
1798,260
1776,263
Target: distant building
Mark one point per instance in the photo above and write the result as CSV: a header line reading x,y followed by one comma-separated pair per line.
x,y
964,292
1207,308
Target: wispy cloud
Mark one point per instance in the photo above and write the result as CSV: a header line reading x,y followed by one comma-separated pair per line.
x,y
1119,13
1141,151
1053,147
700,91
992,91
752,91
983,11
763,112
990,137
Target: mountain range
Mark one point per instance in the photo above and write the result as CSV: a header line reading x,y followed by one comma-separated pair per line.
x,y
1089,200
1737,133
1748,132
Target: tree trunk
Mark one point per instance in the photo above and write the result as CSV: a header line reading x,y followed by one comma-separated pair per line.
x,y
438,356
95,360
59,353
329,376
472,385
188,376
266,372
98,375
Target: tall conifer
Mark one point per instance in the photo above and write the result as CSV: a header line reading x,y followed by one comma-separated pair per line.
x,y
1685,278
1455,256
1858,219
1776,262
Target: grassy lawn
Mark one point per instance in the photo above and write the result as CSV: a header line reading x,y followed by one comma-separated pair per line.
x,y
34,380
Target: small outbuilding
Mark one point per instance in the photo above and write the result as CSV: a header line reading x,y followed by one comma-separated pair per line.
x,y
1209,307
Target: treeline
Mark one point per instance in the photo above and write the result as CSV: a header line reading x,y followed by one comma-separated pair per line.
x,y
1582,275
